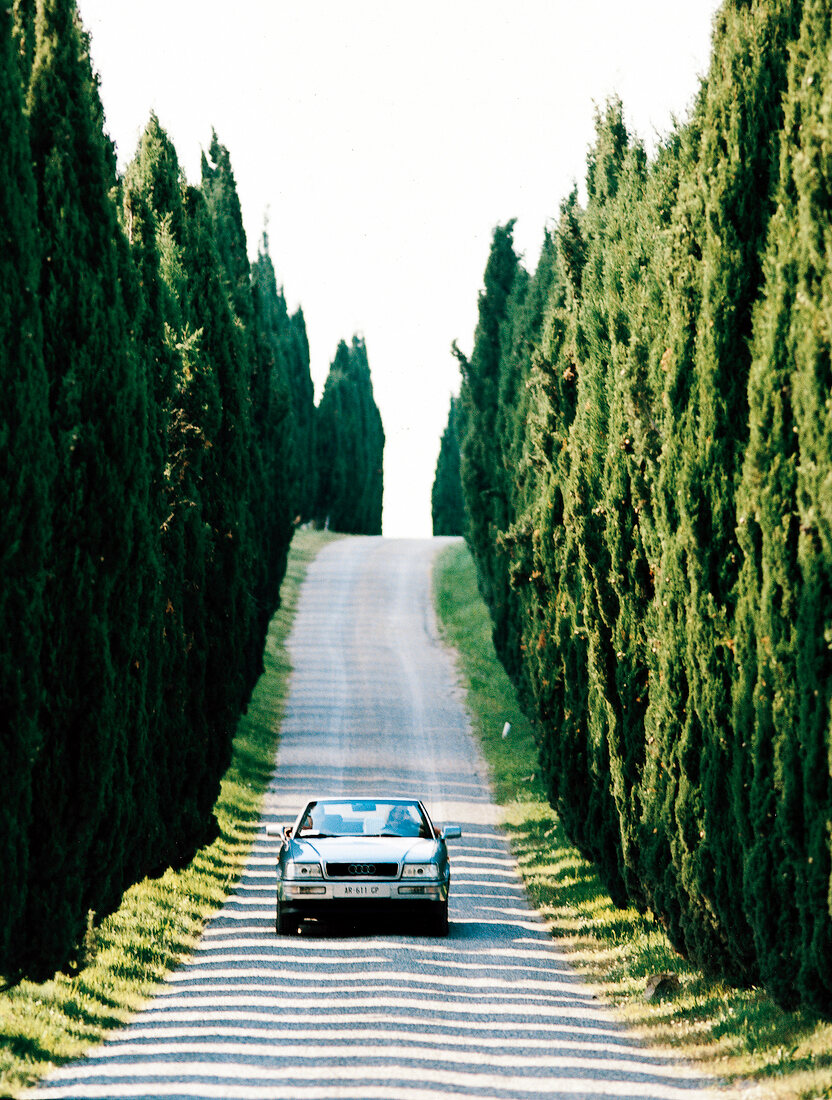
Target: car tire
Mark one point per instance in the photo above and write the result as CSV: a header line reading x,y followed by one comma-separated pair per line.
x,y
439,918
284,925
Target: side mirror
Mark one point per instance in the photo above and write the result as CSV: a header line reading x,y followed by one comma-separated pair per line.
x,y
451,832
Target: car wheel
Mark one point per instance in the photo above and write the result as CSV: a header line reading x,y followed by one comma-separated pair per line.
x,y
284,925
439,918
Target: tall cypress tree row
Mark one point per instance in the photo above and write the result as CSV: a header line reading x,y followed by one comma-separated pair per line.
x,y
665,487
447,504
350,440
98,406
26,472
784,685
722,213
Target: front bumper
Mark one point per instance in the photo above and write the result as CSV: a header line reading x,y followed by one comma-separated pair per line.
x,y
294,894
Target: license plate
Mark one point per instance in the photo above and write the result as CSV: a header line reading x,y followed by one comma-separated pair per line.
x,y
360,890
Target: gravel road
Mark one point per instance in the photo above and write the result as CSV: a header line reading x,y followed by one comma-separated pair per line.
x,y
371,1014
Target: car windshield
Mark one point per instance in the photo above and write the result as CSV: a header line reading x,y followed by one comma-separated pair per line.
x,y
364,817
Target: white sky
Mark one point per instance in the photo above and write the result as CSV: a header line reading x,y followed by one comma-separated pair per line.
x,y
384,141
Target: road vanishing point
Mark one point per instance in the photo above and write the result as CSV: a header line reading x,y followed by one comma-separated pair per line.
x,y
493,1011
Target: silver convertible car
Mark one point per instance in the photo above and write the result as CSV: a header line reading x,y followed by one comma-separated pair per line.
x,y
356,856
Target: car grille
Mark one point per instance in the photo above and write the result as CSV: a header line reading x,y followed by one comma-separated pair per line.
x,y
362,870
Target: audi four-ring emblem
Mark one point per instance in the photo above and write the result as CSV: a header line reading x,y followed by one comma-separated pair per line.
x,y
362,868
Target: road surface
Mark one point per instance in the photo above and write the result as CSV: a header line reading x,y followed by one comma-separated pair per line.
x,y
371,1014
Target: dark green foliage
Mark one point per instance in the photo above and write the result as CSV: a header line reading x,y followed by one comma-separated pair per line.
x,y
273,485
721,217
350,446
287,348
595,248
447,505
23,31
260,430
147,492
221,624
188,404
648,468
783,631
486,433
480,465
83,809
26,473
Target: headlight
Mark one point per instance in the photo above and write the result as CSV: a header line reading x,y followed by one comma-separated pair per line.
x,y
420,870
296,870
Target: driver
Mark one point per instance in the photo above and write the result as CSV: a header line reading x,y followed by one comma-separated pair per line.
x,y
401,821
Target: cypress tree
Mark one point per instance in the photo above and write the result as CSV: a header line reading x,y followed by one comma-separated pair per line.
x,y
263,493
289,350
98,404
302,395
521,335
447,504
586,604
222,626
597,513
783,686
481,468
202,376
635,291
350,440
554,639
276,435
26,472
153,217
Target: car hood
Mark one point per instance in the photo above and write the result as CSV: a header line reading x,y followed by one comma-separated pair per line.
x,y
368,849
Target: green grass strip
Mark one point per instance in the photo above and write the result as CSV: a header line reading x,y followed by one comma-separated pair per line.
x,y
160,920
740,1036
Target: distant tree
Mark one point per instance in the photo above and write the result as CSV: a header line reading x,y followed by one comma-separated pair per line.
x,y
447,505
350,440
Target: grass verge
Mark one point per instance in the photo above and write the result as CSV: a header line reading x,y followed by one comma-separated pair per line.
x,y
740,1036
160,920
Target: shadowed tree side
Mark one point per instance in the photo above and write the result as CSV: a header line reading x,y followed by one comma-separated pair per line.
x,y
98,396
26,475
